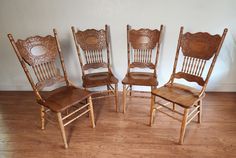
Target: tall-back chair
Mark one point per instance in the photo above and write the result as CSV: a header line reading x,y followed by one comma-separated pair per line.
x,y
200,51
37,56
143,51
93,48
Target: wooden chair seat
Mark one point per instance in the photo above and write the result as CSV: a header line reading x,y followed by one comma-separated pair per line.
x,y
140,79
64,97
182,95
99,79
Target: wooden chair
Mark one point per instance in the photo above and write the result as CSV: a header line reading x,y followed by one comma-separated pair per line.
x,y
143,51
95,47
37,56
198,49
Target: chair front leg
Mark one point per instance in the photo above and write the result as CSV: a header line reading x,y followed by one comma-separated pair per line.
x,y
152,110
91,111
108,88
62,129
130,90
42,114
173,107
200,111
124,98
183,126
116,97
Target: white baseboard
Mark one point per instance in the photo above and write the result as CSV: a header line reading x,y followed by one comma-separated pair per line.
x,y
224,87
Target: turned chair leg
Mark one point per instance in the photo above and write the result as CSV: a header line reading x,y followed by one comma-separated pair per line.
x,y
200,111
116,97
124,98
62,129
42,114
173,107
183,126
130,90
152,110
108,88
91,111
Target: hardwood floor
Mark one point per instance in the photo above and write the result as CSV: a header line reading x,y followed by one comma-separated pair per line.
x,y
116,134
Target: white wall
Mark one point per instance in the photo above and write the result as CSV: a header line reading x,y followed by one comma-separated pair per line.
x,y
24,18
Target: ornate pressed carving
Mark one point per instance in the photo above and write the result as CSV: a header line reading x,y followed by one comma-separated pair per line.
x,y
36,50
144,38
200,45
91,39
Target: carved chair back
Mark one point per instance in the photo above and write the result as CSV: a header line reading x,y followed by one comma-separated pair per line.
x,y
37,56
95,48
142,45
197,49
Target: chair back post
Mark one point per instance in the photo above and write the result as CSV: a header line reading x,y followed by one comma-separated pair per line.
x,y
61,57
158,50
107,31
78,49
177,55
13,43
128,48
213,62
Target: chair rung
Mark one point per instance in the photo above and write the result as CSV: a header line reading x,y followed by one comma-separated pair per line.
x,y
170,115
75,111
111,87
105,96
76,117
136,96
192,117
164,105
193,111
146,92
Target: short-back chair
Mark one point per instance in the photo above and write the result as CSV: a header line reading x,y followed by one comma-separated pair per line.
x,y
93,49
143,50
38,56
198,50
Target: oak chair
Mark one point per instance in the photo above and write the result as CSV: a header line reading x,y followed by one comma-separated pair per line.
x,y
38,56
93,49
198,50
143,50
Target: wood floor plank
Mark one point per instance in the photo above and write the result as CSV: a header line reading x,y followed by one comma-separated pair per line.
x,y
116,134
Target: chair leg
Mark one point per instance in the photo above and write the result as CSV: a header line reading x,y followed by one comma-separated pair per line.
x,y
152,110
42,113
183,126
116,97
200,111
124,98
130,90
108,88
91,111
62,129
173,106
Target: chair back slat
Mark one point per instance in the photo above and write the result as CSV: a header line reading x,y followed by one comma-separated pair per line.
x,y
142,56
95,56
193,66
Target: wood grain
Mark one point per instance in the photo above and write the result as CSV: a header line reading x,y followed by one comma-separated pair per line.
x,y
117,135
